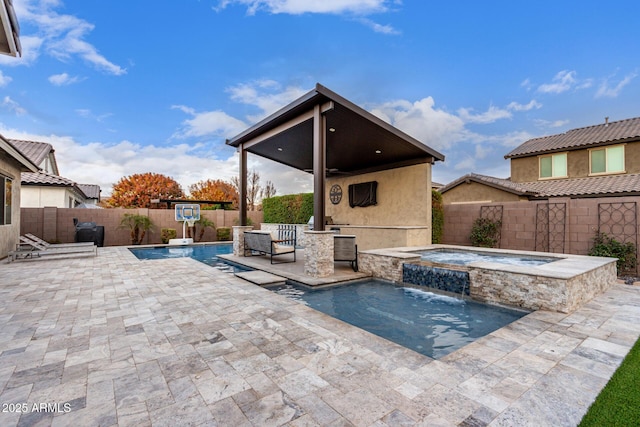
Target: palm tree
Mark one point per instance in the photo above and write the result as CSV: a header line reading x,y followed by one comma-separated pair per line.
x,y
138,224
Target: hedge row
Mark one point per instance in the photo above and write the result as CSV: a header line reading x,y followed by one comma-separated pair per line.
x,y
288,209
437,217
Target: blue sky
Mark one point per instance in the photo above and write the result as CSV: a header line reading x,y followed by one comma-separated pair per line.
x,y
124,87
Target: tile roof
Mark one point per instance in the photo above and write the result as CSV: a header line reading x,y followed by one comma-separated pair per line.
x,y
605,185
42,178
33,150
500,183
592,186
92,191
611,132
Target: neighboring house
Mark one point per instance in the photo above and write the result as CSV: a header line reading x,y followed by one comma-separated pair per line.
x,y
46,187
594,161
92,193
12,164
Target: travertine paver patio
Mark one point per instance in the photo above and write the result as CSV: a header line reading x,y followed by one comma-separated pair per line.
x,y
113,340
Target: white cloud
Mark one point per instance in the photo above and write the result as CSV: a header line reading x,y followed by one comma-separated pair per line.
x,y
561,82
208,123
61,36
435,128
13,106
379,28
607,91
105,164
62,79
514,106
267,95
4,80
297,7
491,115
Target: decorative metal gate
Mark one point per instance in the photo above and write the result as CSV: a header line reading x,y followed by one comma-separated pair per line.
x,y
494,213
551,222
619,221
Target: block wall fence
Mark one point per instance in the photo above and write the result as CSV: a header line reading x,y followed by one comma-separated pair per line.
x,y
572,235
56,224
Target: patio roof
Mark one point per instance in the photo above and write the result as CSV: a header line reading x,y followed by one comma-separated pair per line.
x,y
327,135
356,140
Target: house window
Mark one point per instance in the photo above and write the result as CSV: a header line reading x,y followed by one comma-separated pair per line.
x,y
5,200
607,160
553,166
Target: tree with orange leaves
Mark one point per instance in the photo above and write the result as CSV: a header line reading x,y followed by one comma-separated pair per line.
x,y
137,190
215,190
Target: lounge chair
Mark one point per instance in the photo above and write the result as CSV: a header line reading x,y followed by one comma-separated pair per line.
x,y
32,249
55,245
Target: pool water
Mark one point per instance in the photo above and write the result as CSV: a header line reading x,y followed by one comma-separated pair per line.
x,y
207,254
428,323
467,257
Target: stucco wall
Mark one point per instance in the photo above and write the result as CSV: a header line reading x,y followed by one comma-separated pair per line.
x,y
403,196
9,234
476,192
36,197
526,169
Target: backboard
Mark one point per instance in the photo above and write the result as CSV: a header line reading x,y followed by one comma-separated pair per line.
x,y
187,212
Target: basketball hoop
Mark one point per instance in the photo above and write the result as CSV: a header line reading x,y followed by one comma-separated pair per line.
x,y
188,214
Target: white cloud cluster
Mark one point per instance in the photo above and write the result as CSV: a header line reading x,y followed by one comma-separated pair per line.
x,y
606,90
353,8
436,128
563,81
11,105
297,7
63,79
61,36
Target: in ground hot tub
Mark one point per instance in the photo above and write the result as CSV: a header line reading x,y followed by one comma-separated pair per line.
x,y
531,280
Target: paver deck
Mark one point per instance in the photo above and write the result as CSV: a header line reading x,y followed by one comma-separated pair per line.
x,y
115,341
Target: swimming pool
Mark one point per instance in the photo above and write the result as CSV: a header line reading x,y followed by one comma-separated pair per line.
x,y
467,257
428,323
207,254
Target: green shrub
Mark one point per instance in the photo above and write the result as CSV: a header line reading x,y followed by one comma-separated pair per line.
x,y
167,234
223,233
288,209
485,233
606,246
437,217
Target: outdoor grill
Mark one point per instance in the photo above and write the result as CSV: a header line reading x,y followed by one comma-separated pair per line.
x,y
89,232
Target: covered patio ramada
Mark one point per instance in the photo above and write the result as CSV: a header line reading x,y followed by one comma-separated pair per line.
x,y
371,180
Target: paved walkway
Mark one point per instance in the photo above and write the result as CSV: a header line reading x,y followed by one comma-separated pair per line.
x,y
111,340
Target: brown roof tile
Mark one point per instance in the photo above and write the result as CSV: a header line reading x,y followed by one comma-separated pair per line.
x,y
33,150
593,186
582,137
502,184
605,185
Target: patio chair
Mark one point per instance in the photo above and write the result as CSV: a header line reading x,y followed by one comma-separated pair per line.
x,y
345,249
31,249
263,243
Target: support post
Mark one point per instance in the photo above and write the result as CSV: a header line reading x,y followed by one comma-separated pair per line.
x,y
319,168
242,182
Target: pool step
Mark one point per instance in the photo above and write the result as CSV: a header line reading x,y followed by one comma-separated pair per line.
x,y
261,278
